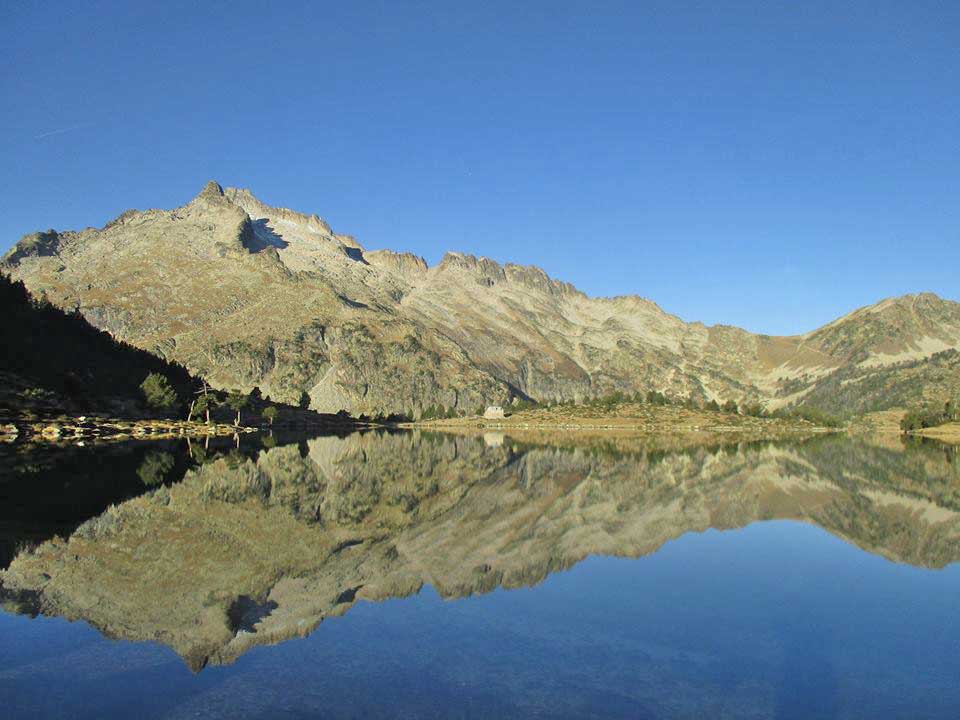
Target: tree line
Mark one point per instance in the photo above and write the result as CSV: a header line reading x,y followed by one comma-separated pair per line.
x,y
926,417
655,398
159,393
87,369
63,353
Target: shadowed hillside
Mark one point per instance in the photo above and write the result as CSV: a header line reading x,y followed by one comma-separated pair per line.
x,y
55,360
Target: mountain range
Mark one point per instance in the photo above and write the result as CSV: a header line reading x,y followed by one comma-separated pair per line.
x,y
248,295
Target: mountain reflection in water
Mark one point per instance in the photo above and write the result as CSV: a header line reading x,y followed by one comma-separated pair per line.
x,y
227,549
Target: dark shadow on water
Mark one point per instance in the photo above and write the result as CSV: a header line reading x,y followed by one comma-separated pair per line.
x,y
48,491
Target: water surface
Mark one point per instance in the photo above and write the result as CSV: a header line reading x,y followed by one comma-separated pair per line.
x,y
423,575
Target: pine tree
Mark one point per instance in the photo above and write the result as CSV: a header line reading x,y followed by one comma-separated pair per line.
x,y
157,392
237,401
204,404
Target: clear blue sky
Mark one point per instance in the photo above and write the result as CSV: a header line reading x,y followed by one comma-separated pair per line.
x,y
765,164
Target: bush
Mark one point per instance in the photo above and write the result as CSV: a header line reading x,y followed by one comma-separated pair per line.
x,y
920,418
810,414
657,398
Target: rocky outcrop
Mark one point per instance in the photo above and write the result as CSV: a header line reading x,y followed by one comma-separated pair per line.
x,y
253,295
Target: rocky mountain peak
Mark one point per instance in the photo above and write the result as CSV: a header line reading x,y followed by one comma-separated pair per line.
x,y
209,200
37,244
212,189
258,210
210,195
406,264
485,271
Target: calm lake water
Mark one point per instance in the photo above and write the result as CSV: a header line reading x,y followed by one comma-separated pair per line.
x,y
419,575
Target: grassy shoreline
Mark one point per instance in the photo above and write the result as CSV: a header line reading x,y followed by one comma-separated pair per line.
x,y
948,432
635,418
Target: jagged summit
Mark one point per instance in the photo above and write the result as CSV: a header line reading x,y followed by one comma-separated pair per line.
x,y
249,294
211,189
246,200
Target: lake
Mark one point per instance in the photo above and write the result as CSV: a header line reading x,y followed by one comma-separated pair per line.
x,y
410,574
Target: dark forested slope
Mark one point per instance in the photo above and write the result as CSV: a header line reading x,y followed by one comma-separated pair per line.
x,y
51,358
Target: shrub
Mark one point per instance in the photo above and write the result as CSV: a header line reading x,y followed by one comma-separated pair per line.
x,y
730,406
810,414
920,418
655,397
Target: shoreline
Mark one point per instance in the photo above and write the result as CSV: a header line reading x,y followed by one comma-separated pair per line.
x,y
947,433
641,428
85,428
658,422
88,428
635,418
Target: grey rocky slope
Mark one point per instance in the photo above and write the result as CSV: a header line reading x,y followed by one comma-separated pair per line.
x,y
251,295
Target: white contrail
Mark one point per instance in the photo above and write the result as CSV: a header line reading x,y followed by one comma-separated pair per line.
x,y
60,131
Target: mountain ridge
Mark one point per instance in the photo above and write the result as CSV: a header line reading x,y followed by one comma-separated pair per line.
x,y
253,295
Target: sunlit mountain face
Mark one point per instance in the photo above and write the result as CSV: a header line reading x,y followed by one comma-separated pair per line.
x,y
249,295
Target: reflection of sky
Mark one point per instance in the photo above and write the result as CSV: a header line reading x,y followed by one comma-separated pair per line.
x,y
777,620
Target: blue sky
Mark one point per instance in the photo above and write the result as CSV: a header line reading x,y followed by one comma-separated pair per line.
x,y
765,164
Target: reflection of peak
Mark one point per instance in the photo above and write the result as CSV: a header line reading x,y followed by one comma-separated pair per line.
x,y
299,533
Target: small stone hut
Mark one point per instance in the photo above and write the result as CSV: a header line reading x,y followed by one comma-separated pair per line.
x,y
494,412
